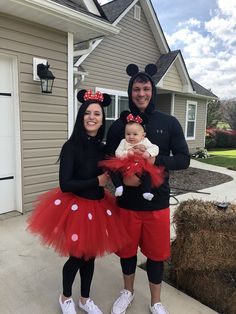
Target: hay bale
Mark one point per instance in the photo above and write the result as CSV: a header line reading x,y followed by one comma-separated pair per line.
x,y
205,237
216,290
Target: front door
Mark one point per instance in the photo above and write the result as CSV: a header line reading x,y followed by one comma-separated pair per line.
x,y
7,137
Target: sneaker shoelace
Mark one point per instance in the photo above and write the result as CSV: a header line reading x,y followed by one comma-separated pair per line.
x,y
68,306
124,298
159,306
91,306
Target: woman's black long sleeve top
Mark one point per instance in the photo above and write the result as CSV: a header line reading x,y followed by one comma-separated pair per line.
x,y
79,171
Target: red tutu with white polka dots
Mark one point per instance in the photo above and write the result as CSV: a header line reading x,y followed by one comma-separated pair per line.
x,y
75,226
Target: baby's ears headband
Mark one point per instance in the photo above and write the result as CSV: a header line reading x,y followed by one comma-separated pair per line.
x,y
103,99
150,69
126,116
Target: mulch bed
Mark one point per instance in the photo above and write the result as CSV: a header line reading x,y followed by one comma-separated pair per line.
x,y
194,179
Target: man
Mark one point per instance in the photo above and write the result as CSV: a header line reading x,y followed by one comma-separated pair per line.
x,y
147,221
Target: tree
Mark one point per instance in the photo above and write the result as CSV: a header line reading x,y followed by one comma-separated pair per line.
x,y
229,112
214,114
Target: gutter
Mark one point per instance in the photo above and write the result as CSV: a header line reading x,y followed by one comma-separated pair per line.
x,y
58,11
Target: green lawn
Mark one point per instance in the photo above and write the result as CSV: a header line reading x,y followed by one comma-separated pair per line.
x,y
223,158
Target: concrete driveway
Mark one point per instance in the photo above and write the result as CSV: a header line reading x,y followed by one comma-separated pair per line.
x,y
30,274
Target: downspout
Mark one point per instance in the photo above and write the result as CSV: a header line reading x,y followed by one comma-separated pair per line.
x,y
70,84
74,78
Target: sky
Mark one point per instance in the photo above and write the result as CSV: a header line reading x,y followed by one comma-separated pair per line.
x,y
205,32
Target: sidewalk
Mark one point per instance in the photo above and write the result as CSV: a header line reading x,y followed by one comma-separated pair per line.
x,y
30,274
221,193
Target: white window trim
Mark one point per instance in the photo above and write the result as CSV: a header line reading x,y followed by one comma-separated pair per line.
x,y
190,102
115,93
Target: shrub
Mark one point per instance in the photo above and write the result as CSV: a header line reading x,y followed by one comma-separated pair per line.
x,y
220,138
200,153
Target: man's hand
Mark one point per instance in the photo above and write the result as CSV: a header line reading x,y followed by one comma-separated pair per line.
x,y
131,180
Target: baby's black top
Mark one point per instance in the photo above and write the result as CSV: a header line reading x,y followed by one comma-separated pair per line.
x,y
79,171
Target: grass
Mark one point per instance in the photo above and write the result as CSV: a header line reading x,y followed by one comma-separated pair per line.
x,y
222,158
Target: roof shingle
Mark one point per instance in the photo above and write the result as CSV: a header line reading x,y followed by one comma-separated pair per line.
x,y
115,8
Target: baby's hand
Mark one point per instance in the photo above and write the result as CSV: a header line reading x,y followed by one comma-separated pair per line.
x,y
140,147
130,152
146,155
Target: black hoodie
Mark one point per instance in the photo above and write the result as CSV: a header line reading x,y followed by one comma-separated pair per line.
x,y
163,130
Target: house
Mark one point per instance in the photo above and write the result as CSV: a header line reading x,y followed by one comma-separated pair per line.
x,y
33,125
86,46
142,41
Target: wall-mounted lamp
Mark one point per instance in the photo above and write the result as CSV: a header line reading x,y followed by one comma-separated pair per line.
x,y
46,77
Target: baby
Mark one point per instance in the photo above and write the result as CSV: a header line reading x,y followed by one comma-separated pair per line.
x,y
135,142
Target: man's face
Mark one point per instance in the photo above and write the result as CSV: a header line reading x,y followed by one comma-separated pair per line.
x,y
141,94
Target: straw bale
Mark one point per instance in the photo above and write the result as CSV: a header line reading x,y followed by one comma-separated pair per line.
x,y
216,290
204,250
206,237
193,215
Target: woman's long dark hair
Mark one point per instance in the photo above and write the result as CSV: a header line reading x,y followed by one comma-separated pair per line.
x,y
79,135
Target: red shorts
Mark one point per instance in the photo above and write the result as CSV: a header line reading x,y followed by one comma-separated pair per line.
x,y
150,230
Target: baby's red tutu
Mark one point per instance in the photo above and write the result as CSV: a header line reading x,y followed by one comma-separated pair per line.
x,y
134,164
76,226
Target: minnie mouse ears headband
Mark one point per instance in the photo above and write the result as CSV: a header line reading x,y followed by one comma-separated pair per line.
x,y
150,69
127,117
103,99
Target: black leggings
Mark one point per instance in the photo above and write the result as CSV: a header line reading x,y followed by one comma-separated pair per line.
x,y
155,269
70,270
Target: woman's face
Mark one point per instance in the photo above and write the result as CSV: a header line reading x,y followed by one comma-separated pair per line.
x,y
93,119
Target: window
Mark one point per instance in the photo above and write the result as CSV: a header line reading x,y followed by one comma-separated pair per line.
x,y
191,116
119,103
137,12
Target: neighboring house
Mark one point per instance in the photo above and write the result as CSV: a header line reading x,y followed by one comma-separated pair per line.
x,y
33,126
141,41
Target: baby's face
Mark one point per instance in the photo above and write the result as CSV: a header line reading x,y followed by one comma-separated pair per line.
x,y
134,133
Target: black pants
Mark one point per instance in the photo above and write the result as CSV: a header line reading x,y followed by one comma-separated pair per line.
x,y
69,272
155,269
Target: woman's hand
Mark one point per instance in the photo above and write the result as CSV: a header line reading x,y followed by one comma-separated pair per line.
x,y
103,178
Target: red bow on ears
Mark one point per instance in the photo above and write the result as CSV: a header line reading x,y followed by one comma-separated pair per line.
x,y
97,96
131,118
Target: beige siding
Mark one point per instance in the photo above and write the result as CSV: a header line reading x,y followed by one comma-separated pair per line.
x,y
180,113
172,80
43,117
164,103
135,43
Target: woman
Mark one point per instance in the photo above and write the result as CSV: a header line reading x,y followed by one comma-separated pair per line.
x,y
80,218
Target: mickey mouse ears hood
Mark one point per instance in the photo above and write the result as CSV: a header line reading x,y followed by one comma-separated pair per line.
x,y
133,71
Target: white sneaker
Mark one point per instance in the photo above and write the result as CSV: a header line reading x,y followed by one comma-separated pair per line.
x,y
148,196
89,307
158,308
68,307
121,304
119,191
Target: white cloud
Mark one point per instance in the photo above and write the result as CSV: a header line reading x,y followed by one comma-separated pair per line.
x,y
209,49
190,22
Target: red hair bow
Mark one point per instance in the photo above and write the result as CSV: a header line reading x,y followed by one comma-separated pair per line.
x,y
131,118
97,96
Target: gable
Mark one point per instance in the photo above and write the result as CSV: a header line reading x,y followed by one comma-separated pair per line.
x,y
172,80
116,10
135,43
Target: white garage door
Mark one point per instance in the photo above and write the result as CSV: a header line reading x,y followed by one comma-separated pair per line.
x,y
7,138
